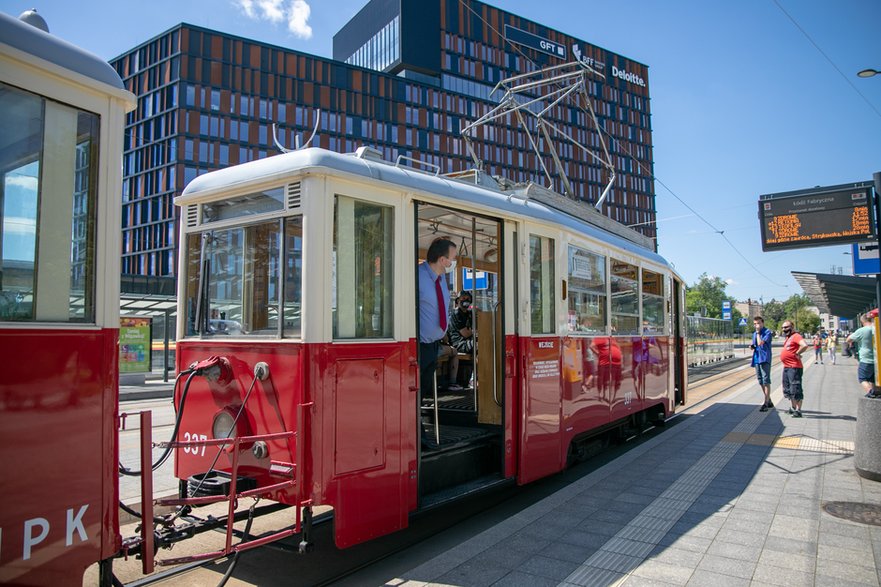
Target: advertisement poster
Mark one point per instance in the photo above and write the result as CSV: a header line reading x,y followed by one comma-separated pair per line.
x,y
135,336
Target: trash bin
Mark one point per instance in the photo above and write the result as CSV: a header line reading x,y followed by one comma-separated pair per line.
x,y
867,441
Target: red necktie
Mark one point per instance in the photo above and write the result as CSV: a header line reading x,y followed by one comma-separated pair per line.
x,y
440,304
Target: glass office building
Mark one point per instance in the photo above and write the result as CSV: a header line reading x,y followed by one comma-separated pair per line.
x,y
405,77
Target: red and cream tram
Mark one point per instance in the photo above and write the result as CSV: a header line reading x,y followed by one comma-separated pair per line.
x,y
298,301
61,129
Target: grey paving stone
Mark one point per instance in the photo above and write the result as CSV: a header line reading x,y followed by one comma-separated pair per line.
x,y
699,530
664,572
587,576
824,581
635,581
846,572
738,537
518,579
585,539
726,566
501,556
613,561
774,575
788,560
838,527
735,551
676,556
862,557
633,548
847,542
551,568
523,543
692,543
473,574
566,552
706,578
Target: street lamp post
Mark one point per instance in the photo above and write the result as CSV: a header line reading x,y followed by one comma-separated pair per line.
x,y
868,73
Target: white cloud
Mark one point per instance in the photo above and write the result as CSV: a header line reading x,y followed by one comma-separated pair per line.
x,y
730,281
298,19
28,182
296,12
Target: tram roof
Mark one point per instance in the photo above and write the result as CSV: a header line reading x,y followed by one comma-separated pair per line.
x,y
283,165
29,39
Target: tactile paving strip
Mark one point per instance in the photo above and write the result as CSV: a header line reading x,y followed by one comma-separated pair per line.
x,y
631,545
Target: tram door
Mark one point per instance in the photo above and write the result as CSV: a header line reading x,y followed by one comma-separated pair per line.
x,y
461,411
677,355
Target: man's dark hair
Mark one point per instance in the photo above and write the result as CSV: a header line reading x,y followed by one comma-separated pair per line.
x,y
439,248
464,294
759,318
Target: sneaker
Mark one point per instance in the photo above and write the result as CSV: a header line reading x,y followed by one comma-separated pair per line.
x,y
770,404
873,395
454,387
764,408
790,411
796,414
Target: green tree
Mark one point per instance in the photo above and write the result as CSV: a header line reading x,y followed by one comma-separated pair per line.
x,y
775,313
795,309
705,297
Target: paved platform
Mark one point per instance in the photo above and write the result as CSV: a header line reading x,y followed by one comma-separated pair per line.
x,y
731,496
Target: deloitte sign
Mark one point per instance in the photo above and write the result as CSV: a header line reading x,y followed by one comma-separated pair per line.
x,y
628,77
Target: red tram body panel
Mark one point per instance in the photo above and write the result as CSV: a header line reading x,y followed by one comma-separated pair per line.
x,y
58,408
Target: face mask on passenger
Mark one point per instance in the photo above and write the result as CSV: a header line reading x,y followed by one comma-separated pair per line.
x,y
465,304
452,266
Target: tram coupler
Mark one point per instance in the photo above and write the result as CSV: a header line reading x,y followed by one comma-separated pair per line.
x,y
306,545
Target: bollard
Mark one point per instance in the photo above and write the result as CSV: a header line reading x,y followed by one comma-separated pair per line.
x,y
867,439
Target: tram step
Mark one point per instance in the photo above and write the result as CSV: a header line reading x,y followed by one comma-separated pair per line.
x,y
454,464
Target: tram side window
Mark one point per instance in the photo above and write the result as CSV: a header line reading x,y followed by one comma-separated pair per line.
x,y
362,269
541,283
587,292
652,302
233,285
48,179
625,298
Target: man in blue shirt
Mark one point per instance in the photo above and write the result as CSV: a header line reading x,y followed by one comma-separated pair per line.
x,y
434,308
761,347
864,339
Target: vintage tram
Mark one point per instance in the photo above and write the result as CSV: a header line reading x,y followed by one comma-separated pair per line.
x,y
61,130
298,301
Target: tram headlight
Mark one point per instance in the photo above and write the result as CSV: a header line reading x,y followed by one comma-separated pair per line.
x,y
223,425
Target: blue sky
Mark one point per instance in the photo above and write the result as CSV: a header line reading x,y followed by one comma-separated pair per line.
x,y
742,102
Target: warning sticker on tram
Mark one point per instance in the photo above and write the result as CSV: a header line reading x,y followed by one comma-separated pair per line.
x,y
814,218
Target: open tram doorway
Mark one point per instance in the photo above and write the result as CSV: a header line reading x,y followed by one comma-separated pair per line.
x,y
461,408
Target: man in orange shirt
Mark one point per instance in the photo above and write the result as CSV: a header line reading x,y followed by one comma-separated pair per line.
x,y
790,356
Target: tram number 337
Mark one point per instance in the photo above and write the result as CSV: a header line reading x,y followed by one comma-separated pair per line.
x,y
195,450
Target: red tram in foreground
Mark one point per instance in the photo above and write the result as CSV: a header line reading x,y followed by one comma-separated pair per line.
x,y
298,300
61,129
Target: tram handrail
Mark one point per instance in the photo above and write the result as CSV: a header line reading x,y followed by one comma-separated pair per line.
x,y
495,354
412,160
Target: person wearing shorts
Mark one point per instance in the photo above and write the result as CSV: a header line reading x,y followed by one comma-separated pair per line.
x,y
864,343
793,369
761,347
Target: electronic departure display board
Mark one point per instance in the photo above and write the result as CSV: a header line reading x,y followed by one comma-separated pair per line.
x,y
815,218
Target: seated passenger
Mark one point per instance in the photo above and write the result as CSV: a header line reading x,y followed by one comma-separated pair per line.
x,y
446,353
460,329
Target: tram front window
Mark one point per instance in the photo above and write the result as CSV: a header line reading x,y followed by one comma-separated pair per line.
x,y
48,177
233,285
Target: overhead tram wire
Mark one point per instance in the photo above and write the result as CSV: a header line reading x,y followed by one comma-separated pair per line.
x,y
630,153
823,53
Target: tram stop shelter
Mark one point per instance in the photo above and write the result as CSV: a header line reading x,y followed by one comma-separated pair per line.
x,y
838,295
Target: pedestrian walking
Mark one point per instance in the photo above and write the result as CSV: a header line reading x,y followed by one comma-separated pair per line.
x,y
793,369
818,348
761,347
864,344
831,344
